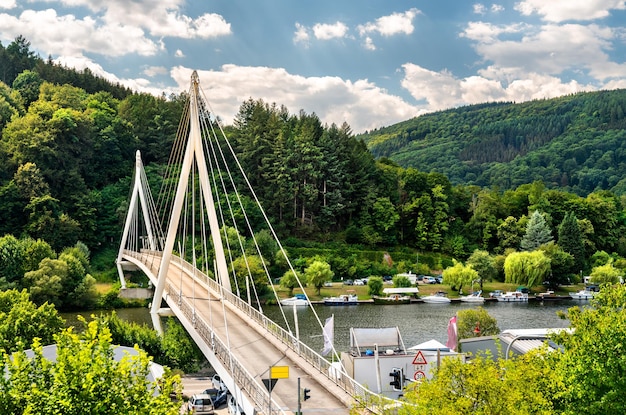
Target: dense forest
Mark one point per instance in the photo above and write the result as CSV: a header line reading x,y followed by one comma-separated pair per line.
x,y
573,143
68,139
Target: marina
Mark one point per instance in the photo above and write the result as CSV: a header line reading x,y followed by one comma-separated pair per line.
x,y
421,322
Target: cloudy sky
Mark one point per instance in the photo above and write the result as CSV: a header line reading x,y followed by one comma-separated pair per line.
x,y
370,63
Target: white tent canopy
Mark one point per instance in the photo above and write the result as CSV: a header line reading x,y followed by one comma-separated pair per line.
x,y
430,345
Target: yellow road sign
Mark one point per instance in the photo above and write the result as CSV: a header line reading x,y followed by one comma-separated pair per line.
x,y
279,372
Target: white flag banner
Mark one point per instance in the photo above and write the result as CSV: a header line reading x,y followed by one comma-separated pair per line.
x,y
328,335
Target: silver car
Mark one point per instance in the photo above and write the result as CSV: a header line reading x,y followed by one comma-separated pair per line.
x,y
201,403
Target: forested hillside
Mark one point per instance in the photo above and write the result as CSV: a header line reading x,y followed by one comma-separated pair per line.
x,y
575,143
67,152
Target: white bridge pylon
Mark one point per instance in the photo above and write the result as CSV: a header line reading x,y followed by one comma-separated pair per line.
x,y
238,340
193,151
140,197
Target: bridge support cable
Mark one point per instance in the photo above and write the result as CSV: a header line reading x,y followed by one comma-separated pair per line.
x,y
193,153
225,167
223,214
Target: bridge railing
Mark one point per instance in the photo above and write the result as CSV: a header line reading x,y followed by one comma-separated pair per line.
x,y
372,401
368,399
246,382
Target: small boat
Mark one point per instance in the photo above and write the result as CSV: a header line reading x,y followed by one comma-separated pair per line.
x,y
583,295
392,299
513,297
550,295
344,299
474,297
298,300
495,294
439,297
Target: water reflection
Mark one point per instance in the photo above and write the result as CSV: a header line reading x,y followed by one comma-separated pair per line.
x,y
417,322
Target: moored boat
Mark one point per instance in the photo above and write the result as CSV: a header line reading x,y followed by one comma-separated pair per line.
x,y
551,296
392,299
439,297
343,299
298,300
474,297
513,297
583,295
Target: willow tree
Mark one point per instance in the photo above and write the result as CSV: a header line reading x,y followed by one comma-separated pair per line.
x,y
526,268
458,275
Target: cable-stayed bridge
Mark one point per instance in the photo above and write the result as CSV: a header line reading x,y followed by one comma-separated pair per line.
x,y
199,247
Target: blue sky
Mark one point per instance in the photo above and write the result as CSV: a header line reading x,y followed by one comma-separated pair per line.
x,y
368,63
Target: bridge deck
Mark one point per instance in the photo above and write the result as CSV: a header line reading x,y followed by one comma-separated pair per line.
x,y
252,345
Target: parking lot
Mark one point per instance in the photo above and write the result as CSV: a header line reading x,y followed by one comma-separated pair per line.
x,y
197,384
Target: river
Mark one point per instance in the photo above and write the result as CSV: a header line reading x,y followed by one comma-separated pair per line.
x,y
418,322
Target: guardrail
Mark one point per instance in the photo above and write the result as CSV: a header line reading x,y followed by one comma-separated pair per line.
x,y
374,402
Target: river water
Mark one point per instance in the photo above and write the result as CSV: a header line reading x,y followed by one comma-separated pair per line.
x,y
418,322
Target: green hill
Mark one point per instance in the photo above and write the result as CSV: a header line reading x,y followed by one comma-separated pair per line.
x,y
575,143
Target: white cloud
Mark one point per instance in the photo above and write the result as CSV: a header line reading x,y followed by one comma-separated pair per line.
x,y
562,10
162,20
488,33
137,84
393,24
479,8
301,35
442,90
155,70
361,104
553,49
325,31
497,8
368,43
7,4
179,53
49,32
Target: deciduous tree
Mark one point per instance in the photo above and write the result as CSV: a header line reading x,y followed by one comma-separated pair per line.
x,y
526,268
84,378
318,273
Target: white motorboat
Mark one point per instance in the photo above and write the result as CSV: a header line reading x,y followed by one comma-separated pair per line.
x,y
583,295
513,297
474,297
344,299
437,298
298,300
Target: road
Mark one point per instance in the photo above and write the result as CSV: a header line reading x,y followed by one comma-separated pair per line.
x,y
197,384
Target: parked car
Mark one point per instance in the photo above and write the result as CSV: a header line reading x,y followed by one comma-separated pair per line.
x,y
233,407
359,282
430,280
328,284
348,282
216,380
219,397
201,403
439,279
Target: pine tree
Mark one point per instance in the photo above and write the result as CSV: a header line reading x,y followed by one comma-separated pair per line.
x,y
571,241
537,232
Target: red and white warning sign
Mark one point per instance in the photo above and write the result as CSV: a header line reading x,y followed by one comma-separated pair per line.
x,y
419,359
